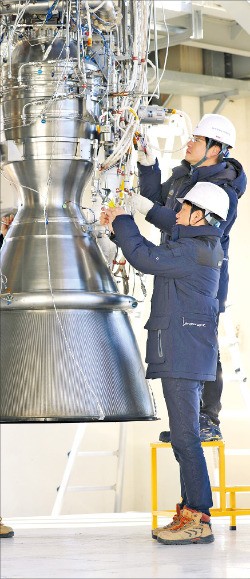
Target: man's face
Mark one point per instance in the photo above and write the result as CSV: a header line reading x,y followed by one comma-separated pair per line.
x,y
196,149
183,216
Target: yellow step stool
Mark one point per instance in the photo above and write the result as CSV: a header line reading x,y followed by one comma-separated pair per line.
x,y
232,511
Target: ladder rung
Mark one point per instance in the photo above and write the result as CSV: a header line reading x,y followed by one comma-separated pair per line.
x,y
86,489
97,453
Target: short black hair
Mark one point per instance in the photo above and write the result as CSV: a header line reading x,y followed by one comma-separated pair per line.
x,y
196,208
224,148
213,142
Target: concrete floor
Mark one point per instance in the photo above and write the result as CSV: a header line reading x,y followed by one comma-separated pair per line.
x,y
119,545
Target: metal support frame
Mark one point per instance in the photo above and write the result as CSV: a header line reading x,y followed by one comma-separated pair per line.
x,y
197,22
222,97
167,100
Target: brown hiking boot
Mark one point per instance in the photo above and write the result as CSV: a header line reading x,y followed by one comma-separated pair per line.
x,y
193,527
175,521
5,532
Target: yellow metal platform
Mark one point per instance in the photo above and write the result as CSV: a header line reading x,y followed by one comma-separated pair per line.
x,y
231,511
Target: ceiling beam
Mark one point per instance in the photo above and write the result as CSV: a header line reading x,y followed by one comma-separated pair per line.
x,y
221,97
218,34
240,12
200,85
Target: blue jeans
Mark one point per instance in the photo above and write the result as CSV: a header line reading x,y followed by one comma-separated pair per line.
x,y
183,404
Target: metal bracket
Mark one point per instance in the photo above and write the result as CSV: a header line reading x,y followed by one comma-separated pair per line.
x,y
222,97
197,24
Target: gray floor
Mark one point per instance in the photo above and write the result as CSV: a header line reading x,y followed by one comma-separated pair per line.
x,y
119,545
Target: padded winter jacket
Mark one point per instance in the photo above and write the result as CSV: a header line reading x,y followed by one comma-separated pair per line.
x,y
182,327
229,175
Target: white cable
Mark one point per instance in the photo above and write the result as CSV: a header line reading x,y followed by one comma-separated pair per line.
x,y
94,10
88,18
166,55
151,81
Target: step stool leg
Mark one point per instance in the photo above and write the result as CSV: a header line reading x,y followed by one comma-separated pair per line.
x,y
222,476
232,506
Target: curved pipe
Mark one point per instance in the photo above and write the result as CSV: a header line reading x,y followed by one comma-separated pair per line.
x,y
41,7
70,300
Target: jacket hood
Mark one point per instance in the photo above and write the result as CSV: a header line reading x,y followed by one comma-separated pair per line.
x,y
181,231
235,175
229,172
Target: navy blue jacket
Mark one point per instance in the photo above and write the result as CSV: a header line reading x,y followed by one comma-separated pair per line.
x,y
229,175
182,327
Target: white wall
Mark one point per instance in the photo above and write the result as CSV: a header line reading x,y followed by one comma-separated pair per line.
x,y
34,455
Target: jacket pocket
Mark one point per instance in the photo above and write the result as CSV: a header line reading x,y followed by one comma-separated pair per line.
x,y
196,336
157,341
200,325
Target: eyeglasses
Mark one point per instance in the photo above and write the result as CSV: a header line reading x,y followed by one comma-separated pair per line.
x,y
197,140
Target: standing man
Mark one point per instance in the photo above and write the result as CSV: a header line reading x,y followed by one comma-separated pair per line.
x,y
182,343
206,160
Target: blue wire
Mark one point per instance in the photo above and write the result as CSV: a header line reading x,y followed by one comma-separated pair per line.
x,y
50,10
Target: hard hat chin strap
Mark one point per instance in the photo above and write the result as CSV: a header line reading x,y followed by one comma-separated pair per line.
x,y
207,215
193,167
190,214
224,152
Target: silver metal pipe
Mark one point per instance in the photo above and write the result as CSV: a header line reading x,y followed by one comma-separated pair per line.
x,y
125,27
13,8
106,12
67,300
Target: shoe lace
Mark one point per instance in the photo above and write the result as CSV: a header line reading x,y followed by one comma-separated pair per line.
x,y
181,522
176,519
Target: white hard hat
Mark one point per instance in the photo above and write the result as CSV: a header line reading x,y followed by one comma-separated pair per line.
x,y
208,196
216,127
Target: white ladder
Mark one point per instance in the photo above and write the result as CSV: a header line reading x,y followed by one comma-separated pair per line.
x,y
117,487
230,340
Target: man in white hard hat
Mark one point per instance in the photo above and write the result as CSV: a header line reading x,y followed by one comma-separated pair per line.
x,y
182,345
207,160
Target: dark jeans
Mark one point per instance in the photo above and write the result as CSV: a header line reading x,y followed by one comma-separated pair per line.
x,y
211,396
183,404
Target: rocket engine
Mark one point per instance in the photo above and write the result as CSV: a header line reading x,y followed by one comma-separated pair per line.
x,y
73,77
